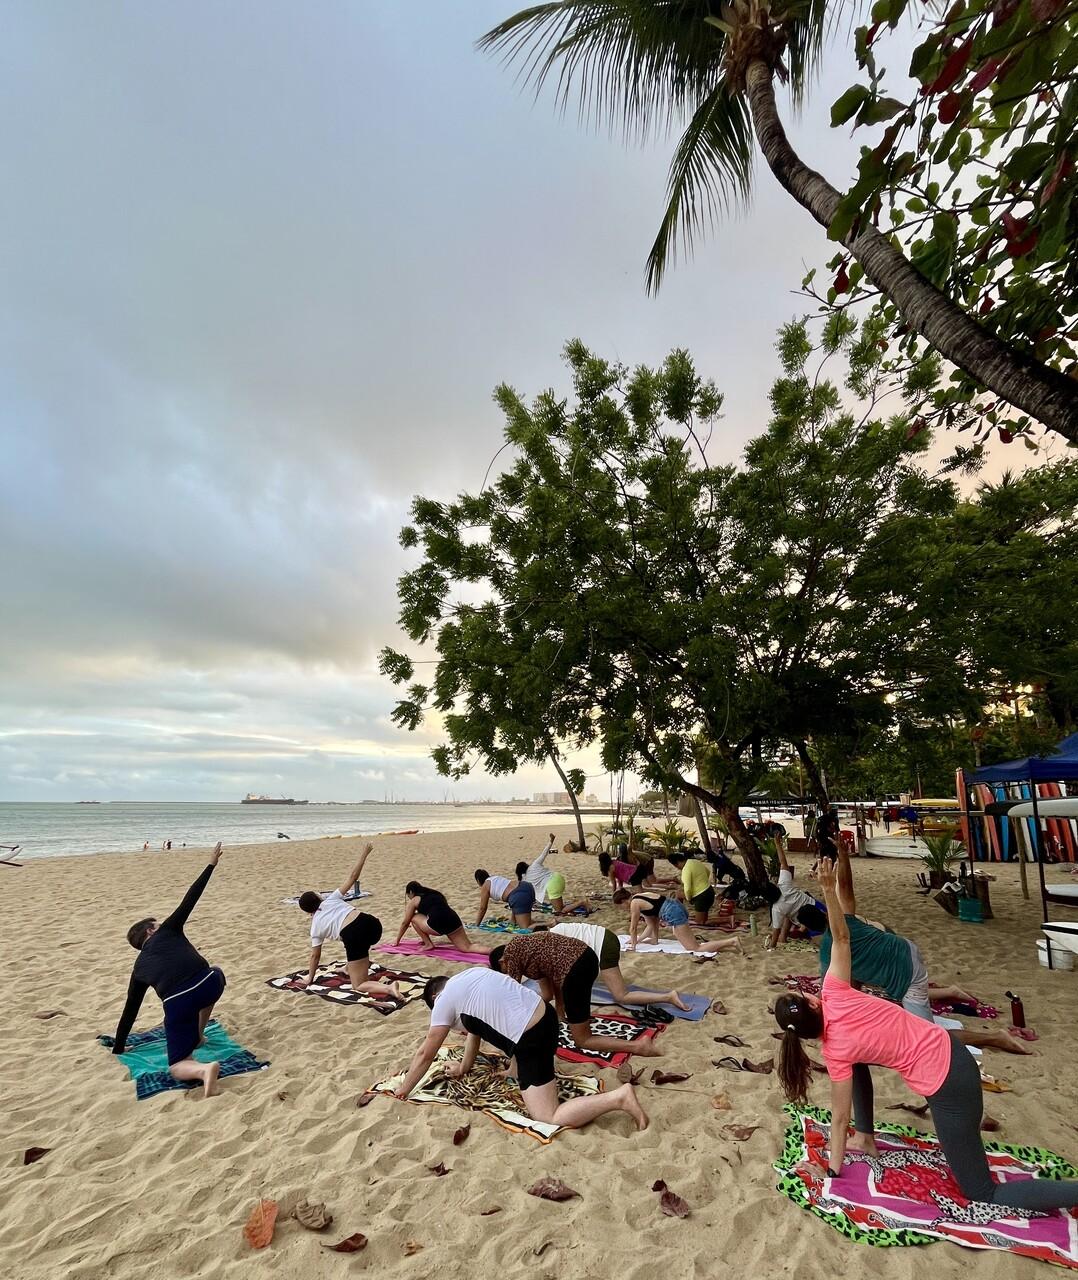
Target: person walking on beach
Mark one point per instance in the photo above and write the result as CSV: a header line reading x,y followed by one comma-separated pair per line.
x,y
334,917
696,886
187,984
855,1029
430,915
649,909
518,895
518,1022
566,970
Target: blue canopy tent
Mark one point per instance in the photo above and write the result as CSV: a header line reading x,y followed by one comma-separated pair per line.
x,y
1060,765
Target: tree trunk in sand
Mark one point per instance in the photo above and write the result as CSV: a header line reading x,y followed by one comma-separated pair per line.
x,y
816,782
582,843
1044,393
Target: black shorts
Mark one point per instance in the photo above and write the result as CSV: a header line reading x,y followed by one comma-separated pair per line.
x,y
444,921
703,902
359,935
182,1010
576,989
535,1051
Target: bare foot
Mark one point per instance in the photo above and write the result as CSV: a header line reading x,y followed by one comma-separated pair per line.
x,y
396,991
676,1001
864,1143
1009,1044
209,1078
633,1108
645,1048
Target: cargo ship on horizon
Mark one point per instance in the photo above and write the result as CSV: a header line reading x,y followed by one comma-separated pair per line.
x,y
251,798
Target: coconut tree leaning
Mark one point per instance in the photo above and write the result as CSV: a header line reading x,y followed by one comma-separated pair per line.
x,y
645,65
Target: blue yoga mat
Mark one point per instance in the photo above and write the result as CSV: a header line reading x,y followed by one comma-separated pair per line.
x,y
698,1005
147,1061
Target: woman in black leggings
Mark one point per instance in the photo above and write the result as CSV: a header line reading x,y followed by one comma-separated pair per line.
x,y
855,1028
431,916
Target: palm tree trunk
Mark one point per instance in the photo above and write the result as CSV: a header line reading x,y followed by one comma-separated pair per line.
x,y
582,843
816,782
1045,394
701,823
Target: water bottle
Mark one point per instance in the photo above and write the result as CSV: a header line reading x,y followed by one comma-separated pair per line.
x,y
1018,1013
753,930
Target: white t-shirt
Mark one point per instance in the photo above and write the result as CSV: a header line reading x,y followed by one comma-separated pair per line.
x,y
489,996
328,920
539,874
791,902
498,887
592,935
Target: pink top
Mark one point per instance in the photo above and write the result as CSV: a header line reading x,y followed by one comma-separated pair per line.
x,y
858,1027
624,871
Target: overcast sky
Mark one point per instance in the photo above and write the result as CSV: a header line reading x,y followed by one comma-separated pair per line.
x,y
262,265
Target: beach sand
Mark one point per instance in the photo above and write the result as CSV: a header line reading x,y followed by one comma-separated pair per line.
x,y
164,1186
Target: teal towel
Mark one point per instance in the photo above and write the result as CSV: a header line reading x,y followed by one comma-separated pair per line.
x,y
147,1061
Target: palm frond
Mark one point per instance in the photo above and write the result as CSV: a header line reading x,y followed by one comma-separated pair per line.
x,y
710,171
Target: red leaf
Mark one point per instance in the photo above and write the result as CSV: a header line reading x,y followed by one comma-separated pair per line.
x,y
351,1244
985,75
952,69
950,107
1064,166
986,305
439,1170
1019,240
658,1186
669,1077
552,1189
1005,435
673,1206
870,34
842,280
461,1134
259,1229
33,1154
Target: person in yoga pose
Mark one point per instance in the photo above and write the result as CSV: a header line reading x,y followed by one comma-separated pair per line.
x,y
518,1022
696,887
854,1029
893,964
605,944
620,872
187,984
518,895
431,916
793,905
334,917
649,909
549,885
566,970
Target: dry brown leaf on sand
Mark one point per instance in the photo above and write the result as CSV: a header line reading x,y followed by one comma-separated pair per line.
x,y
365,1099
658,1185
350,1244
439,1170
259,1229
312,1216
740,1132
461,1134
45,1014
717,1006
411,1247
672,1205
669,1077
33,1154
626,1075
721,1102
989,1124
552,1189
494,1208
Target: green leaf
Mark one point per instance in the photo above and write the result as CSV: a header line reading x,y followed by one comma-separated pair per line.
x,y
877,110
1029,160
849,104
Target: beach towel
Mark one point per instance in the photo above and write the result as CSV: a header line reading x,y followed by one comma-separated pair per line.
x,y
698,1005
977,1009
331,982
146,1059
809,984
667,945
499,926
439,953
909,1196
483,1089
324,893
628,1029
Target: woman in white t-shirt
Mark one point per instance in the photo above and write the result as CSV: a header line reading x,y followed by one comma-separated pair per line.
x,y
514,1019
605,944
335,916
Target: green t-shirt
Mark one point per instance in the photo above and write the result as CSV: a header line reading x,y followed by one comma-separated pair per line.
x,y
880,959
695,878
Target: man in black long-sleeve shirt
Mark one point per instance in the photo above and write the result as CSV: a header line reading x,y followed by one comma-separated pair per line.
x,y
188,986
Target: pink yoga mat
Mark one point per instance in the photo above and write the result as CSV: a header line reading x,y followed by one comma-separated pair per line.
x,y
439,953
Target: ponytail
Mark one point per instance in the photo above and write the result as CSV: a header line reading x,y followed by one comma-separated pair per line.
x,y
521,870
605,864
797,1018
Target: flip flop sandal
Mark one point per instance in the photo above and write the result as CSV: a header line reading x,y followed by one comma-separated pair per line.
x,y
654,1013
728,1064
760,1068
734,1041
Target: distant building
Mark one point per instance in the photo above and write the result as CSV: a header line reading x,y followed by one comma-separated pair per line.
x,y
591,800
551,797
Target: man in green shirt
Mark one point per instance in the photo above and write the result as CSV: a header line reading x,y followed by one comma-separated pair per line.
x,y
696,886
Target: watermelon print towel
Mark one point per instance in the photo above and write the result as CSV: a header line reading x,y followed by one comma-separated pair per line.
x,y
809,984
909,1196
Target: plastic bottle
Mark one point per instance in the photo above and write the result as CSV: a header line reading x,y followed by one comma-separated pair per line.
x,y
1018,1012
753,928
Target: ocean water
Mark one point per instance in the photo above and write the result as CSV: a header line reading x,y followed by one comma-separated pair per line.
x,y
56,830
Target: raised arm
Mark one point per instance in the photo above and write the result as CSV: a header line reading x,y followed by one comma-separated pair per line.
x,y
136,990
424,1056
484,901
179,917
780,848
846,895
357,871
841,962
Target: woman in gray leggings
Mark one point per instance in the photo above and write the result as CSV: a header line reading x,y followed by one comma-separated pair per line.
x,y
855,1028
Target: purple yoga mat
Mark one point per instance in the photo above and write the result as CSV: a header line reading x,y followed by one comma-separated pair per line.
x,y
439,953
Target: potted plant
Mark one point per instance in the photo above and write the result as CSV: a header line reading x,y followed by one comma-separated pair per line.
x,y
942,851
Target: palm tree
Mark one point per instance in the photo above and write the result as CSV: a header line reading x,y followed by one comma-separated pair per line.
x,y
645,64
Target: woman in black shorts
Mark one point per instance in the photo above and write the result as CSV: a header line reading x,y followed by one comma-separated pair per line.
x,y
566,970
512,1018
334,917
431,916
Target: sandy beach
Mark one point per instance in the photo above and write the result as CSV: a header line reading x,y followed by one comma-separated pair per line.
x,y
138,1189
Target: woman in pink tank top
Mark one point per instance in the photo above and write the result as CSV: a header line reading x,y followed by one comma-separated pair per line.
x,y
855,1029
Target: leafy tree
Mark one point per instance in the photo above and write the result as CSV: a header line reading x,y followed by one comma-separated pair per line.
x,y
975,178
644,64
